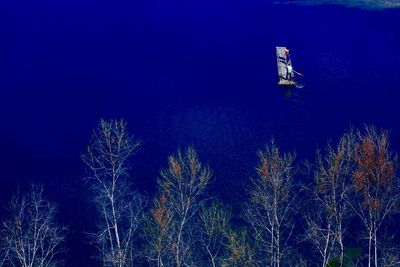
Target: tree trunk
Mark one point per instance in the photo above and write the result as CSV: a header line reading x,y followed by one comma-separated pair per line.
x,y
369,247
178,244
211,256
375,247
277,248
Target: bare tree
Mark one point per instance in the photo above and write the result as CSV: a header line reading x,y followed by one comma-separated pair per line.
x,y
159,231
326,219
31,236
390,259
181,187
241,250
390,251
272,197
120,208
215,226
3,255
375,185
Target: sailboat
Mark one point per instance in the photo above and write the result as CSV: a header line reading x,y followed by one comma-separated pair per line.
x,y
286,73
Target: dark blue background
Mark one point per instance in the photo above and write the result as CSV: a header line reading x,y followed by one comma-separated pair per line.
x,y
199,73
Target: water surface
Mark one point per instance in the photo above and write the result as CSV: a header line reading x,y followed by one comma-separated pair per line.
x,y
200,73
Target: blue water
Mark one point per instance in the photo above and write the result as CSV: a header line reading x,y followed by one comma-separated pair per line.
x,y
200,73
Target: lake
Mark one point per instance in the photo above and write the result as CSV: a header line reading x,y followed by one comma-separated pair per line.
x,y
198,73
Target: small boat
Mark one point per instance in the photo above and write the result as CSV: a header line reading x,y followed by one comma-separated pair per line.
x,y
286,73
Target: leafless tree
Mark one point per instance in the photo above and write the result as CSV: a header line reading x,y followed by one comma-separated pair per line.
x,y
181,187
390,251
120,208
272,198
30,236
391,259
3,255
159,225
375,185
325,221
215,226
241,250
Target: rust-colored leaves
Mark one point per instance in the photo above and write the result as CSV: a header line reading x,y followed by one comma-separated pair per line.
x,y
374,168
162,213
263,169
175,167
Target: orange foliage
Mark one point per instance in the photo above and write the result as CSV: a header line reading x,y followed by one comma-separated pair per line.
x,y
175,167
269,166
374,168
162,213
372,203
374,165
